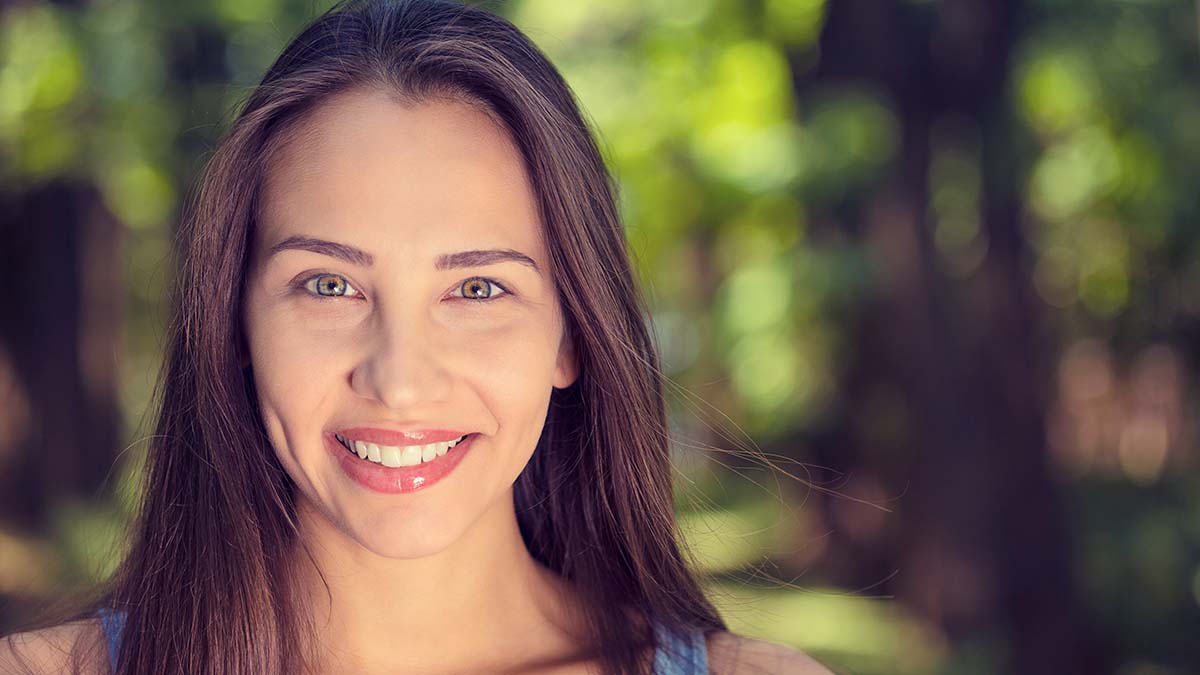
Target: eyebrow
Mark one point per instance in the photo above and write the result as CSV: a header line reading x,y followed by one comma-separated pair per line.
x,y
446,261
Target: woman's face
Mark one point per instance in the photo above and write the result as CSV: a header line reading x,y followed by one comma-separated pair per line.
x,y
415,339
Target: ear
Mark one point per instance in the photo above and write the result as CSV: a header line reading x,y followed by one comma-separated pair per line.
x,y
566,369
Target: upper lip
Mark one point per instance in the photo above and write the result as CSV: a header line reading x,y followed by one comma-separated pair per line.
x,y
392,437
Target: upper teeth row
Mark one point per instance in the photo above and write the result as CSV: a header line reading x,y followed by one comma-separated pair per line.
x,y
390,455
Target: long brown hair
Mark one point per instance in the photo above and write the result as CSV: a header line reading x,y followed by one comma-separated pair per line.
x,y
204,582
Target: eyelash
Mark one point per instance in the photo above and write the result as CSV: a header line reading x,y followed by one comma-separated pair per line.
x,y
303,285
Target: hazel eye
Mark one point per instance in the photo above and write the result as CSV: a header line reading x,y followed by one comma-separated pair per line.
x,y
480,289
330,286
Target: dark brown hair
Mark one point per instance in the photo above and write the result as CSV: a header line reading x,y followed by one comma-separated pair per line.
x,y
204,581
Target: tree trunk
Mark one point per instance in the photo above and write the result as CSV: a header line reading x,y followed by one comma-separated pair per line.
x,y
60,424
983,551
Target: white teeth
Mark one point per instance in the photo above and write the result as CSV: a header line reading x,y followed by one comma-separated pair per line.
x,y
410,455
392,456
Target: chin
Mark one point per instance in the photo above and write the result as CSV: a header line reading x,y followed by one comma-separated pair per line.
x,y
405,550
405,540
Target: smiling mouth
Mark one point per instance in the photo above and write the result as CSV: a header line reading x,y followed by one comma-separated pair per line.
x,y
397,456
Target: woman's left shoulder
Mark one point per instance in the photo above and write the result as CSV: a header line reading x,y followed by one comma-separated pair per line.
x,y
733,654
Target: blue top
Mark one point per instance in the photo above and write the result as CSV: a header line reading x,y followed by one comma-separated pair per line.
x,y
112,623
676,654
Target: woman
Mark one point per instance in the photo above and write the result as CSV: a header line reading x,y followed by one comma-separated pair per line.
x,y
412,419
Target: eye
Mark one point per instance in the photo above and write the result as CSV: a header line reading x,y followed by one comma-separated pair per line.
x,y
480,289
329,286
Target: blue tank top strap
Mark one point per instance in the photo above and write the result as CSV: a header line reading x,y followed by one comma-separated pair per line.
x,y
678,654
112,623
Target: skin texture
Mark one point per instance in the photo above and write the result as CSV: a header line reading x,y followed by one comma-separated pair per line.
x,y
444,567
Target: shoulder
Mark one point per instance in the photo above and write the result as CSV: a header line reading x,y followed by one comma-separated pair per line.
x,y
53,649
732,654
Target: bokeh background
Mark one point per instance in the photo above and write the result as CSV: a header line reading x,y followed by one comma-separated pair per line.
x,y
938,261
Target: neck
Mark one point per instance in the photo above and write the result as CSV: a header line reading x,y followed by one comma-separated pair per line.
x,y
483,603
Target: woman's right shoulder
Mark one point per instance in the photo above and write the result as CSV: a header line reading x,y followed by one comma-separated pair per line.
x,y
733,654
53,649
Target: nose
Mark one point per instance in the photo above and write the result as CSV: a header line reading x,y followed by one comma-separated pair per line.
x,y
402,368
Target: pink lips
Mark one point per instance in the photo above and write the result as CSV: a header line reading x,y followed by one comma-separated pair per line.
x,y
398,479
400,438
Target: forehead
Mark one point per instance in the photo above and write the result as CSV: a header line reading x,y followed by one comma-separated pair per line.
x,y
402,178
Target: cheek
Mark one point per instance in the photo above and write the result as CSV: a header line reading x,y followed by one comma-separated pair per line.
x,y
516,355
288,347
294,367
513,370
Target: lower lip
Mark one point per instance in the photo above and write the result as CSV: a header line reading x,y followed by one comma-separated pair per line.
x,y
397,479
